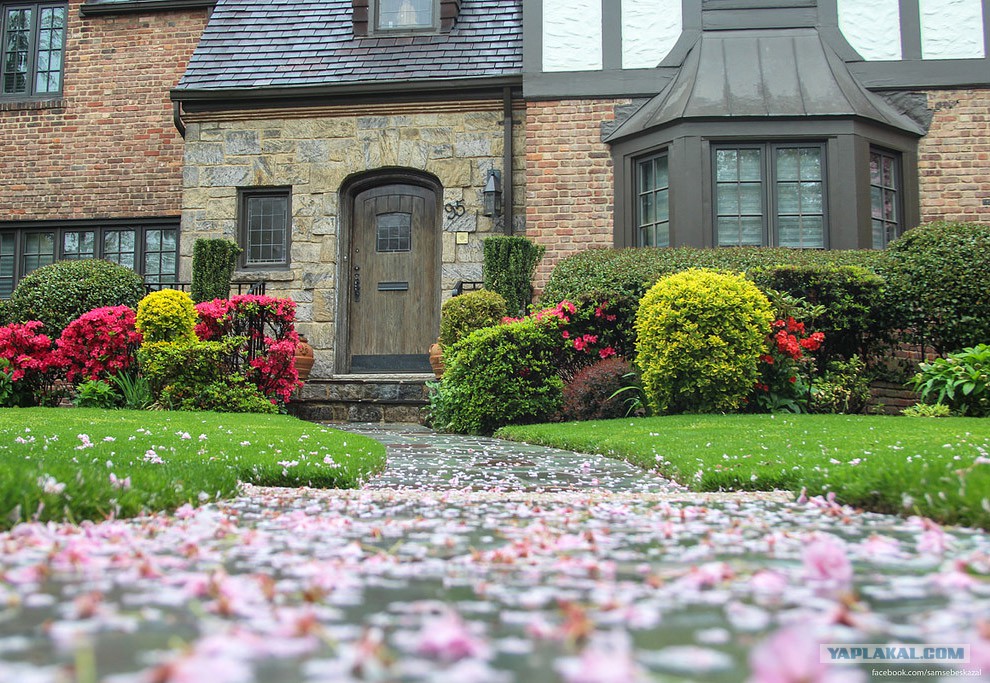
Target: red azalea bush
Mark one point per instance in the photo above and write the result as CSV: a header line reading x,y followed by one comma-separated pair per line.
x,y
32,365
267,323
590,395
99,343
786,368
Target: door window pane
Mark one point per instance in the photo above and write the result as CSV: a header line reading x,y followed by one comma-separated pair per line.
x,y
394,232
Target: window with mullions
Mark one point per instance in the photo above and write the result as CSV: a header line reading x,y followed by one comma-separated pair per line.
x,y
265,227
652,202
32,48
885,183
405,15
151,250
394,233
770,194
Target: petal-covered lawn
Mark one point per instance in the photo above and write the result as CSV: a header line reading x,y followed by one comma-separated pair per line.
x,y
576,584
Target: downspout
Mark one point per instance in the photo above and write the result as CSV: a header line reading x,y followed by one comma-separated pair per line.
x,y
177,118
507,160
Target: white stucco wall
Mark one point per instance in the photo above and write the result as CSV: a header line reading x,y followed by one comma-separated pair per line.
x,y
951,29
572,35
649,30
873,28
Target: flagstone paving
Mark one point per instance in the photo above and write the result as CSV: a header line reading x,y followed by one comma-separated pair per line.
x,y
478,560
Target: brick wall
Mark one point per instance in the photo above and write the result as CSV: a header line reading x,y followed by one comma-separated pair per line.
x,y
569,188
108,147
954,158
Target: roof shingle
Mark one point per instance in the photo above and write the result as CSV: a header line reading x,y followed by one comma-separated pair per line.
x,y
298,43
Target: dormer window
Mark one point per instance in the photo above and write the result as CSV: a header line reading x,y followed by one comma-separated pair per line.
x,y
405,15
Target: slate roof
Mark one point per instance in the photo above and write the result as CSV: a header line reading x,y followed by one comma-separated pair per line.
x,y
298,43
762,73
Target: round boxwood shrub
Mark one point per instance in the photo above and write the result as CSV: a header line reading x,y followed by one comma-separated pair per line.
x,y
700,334
167,315
938,275
59,293
462,315
497,376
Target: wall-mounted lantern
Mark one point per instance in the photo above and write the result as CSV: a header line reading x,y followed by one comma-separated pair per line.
x,y
492,194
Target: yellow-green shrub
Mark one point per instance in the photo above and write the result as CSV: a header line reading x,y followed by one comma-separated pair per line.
x,y
166,315
699,335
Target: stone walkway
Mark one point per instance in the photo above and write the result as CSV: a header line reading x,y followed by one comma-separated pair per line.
x,y
475,560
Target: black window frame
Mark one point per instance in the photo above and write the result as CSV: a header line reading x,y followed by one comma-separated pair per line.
x,y
244,232
376,26
21,229
769,182
897,190
31,92
639,193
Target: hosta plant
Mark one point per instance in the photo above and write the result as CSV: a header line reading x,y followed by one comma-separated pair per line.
x,y
960,381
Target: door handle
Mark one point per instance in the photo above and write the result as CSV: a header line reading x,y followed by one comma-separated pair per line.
x,y
357,283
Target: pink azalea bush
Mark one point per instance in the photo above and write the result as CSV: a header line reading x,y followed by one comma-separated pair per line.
x,y
99,343
267,324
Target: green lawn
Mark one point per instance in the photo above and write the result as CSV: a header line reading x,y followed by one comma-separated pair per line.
x,y
939,468
75,464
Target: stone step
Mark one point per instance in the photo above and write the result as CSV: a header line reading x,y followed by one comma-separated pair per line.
x,y
364,398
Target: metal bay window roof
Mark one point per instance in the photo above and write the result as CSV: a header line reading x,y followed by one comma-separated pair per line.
x,y
762,73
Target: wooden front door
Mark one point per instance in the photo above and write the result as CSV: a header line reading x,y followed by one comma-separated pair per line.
x,y
394,308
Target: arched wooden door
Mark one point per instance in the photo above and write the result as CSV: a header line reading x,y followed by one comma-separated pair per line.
x,y
393,288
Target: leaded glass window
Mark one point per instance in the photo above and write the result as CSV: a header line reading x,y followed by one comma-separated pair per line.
x,y
739,197
38,250
652,202
394,232
885,185
33,48
800,197
265,227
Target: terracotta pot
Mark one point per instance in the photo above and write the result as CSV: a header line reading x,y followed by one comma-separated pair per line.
x,y
436,360
304,358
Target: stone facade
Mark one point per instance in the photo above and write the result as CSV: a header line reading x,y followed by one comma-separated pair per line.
x,y
314,152
954,158
569,183
107,147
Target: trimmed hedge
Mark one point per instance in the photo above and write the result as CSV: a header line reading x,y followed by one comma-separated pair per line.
x,y
506,374
59,293
462,315
856,320
940,274
508,269
630,272
213,265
